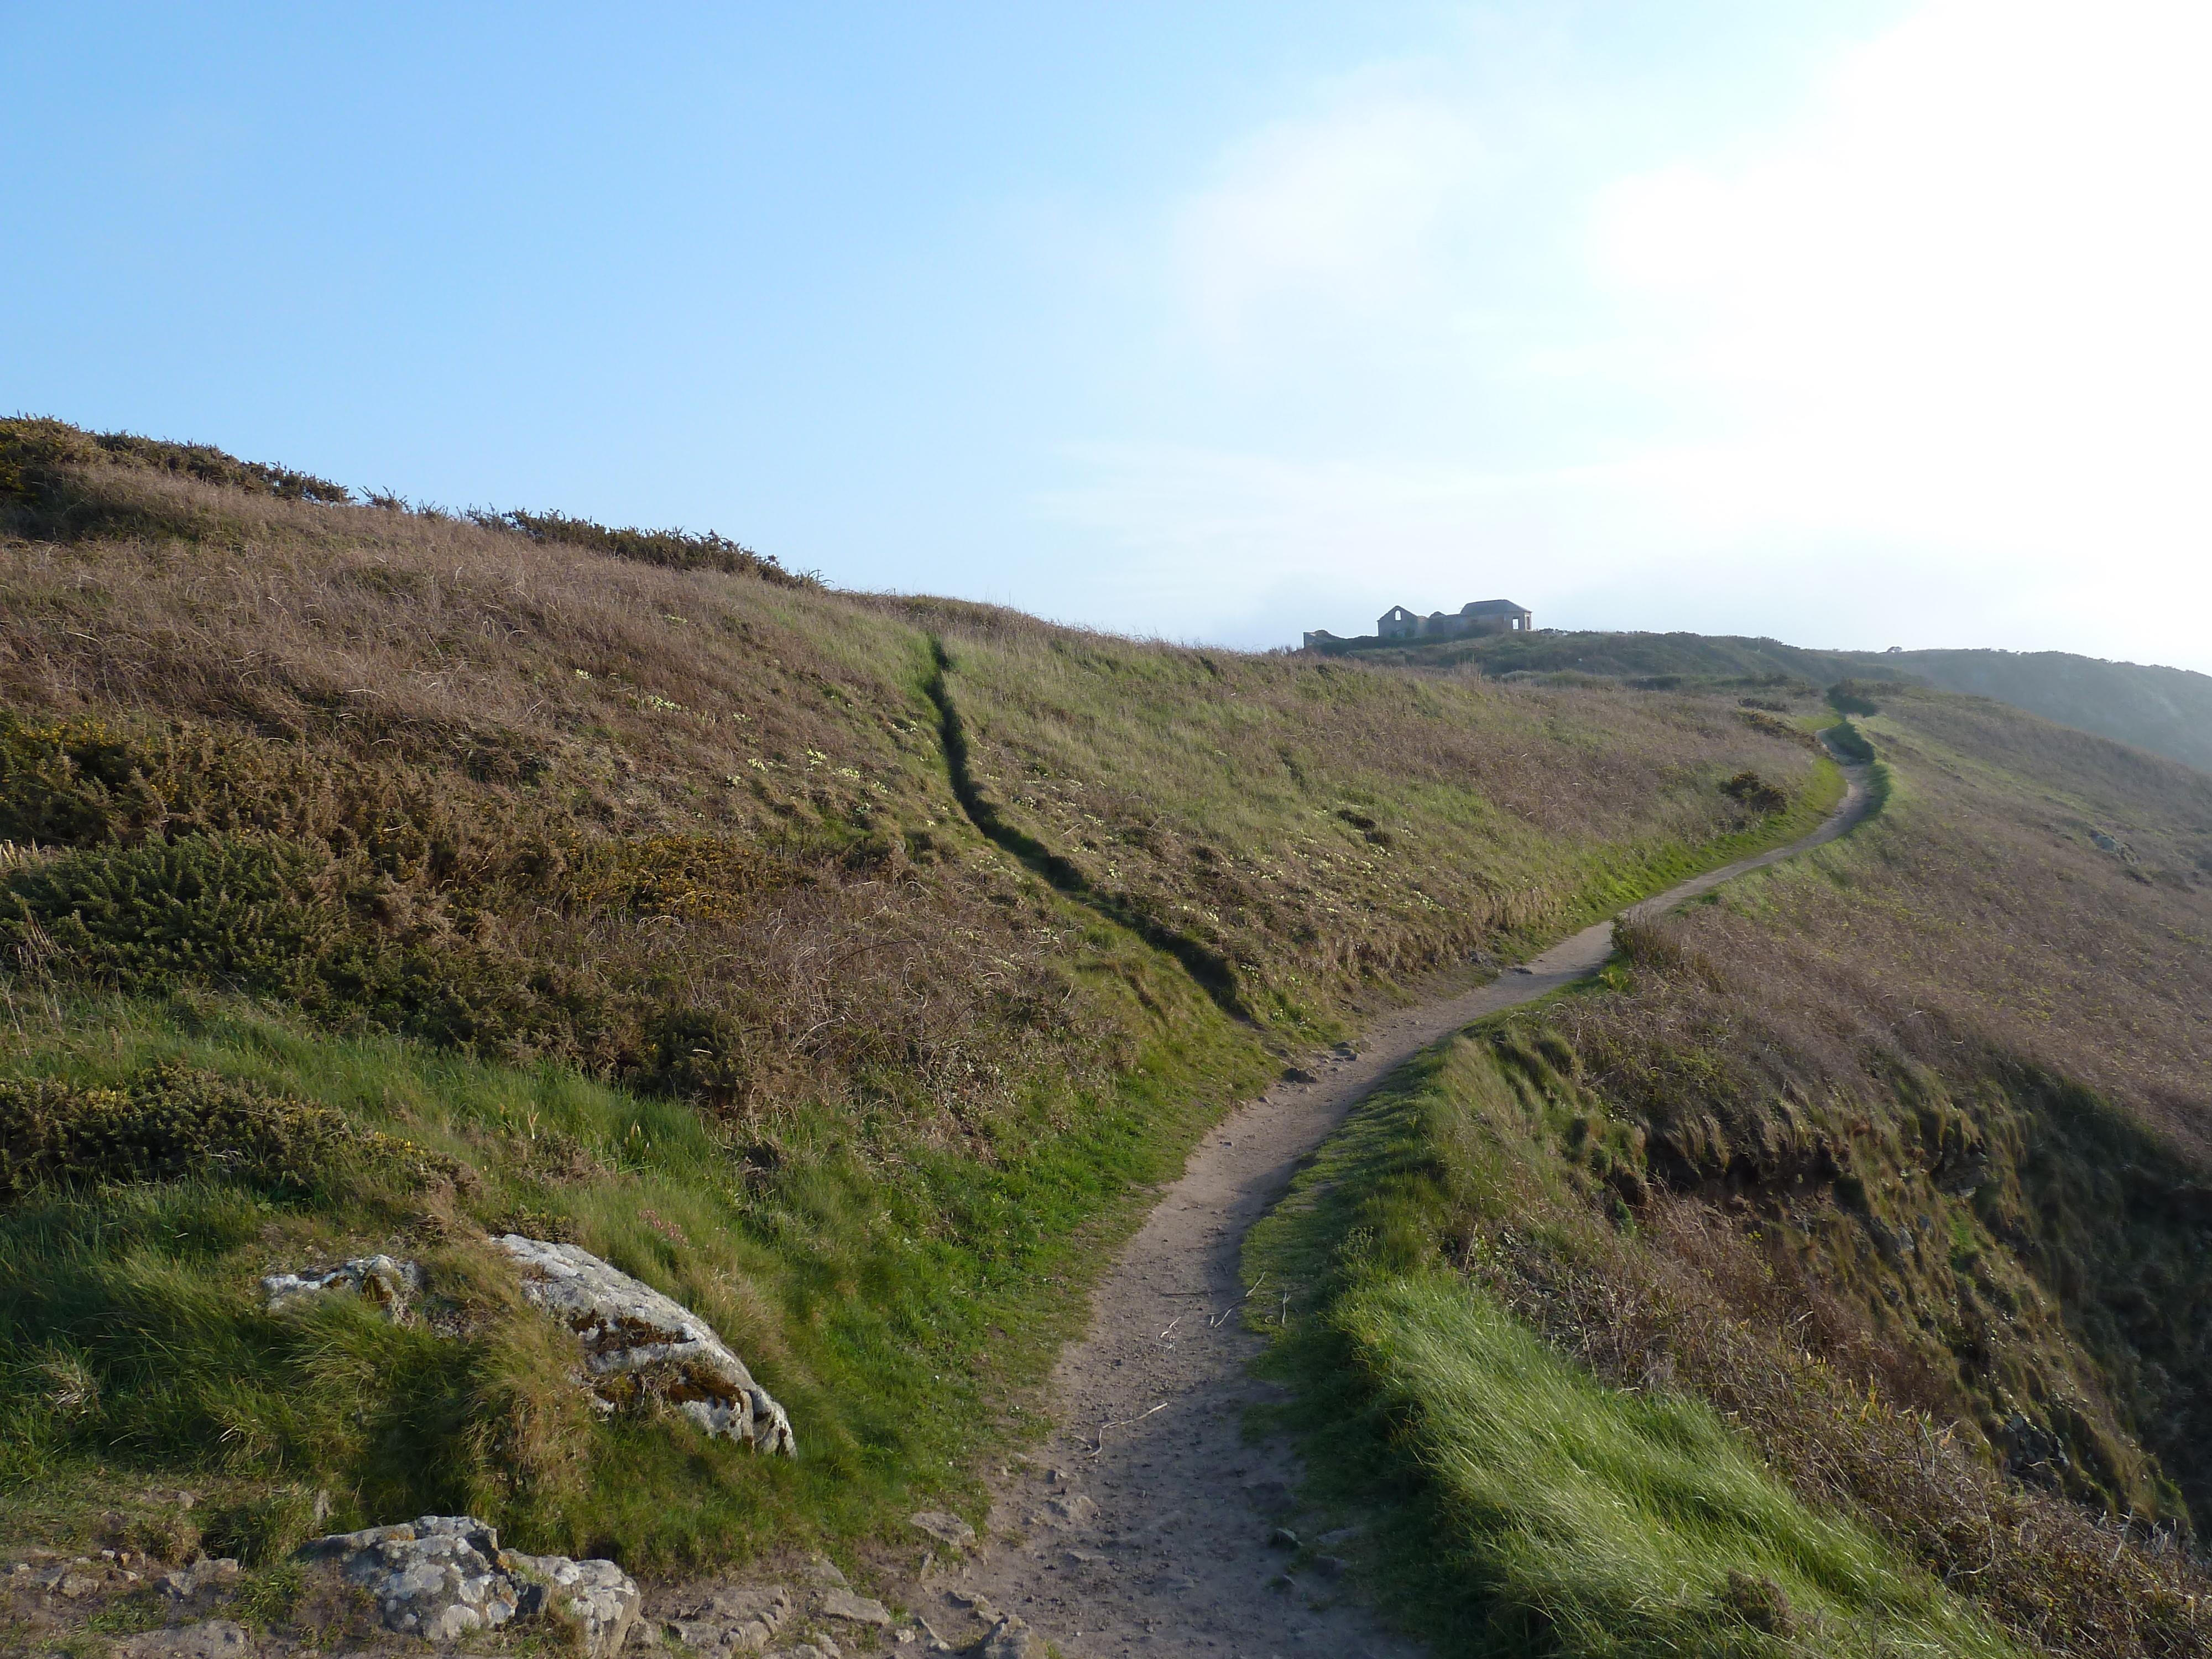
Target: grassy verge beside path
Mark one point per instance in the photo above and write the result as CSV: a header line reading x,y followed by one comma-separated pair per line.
x,y
1522,1505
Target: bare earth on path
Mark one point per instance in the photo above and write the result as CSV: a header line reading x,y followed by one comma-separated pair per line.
x,y
1143,1524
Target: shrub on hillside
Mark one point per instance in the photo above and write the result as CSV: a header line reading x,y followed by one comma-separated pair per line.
x,y
172,1122
1768,718
34,454
70,783
676,549
1756,793
283,918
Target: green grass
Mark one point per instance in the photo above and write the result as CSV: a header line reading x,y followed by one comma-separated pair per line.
x,y
894,1310
1523,1505
898,1297
1574,1518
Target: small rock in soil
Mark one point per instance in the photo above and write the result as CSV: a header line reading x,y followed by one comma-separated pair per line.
x,y
822,1571
1069,1511
216,1639
745,1620
947,1530
1282,1539
1329,1566
855,1609
185,1582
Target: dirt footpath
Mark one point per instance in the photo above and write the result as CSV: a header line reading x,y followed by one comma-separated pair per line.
x,y
1143,1527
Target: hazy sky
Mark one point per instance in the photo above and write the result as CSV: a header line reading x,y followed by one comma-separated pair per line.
x,y
1853,322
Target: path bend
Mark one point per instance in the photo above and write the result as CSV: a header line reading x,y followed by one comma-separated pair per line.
x,y
1150,1538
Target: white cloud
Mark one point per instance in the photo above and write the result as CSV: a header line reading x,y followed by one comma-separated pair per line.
x,y
1933,368
1970,306
1344,213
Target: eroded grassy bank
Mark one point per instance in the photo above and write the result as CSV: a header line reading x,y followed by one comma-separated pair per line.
x,y
1873,1155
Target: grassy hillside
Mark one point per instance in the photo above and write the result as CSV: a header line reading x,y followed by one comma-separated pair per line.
x,y
847,967
1896,1156
2167,711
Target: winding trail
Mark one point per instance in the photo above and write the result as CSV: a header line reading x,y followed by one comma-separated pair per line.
x,y
1142,1526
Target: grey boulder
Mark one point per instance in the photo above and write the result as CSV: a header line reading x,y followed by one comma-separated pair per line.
x,y
597,1597
638,1342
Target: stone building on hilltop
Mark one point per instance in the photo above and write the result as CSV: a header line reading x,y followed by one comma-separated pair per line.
x,y
1477,616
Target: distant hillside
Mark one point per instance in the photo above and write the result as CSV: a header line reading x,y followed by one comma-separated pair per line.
x,y
2167,711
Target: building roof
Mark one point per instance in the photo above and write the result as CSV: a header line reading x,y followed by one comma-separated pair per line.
x,y
1492,608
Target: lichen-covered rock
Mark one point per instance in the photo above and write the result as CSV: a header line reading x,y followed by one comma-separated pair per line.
x,y
438,1577
379,1279
597,1597
638,1342
443,1577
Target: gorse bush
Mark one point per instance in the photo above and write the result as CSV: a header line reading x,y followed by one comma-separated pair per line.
x,y
41,463
70,783
172,1121
676,549
1756,793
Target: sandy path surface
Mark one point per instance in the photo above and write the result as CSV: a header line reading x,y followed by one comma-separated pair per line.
x,y
1143,1525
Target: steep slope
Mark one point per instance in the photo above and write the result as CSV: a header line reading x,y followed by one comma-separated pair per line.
x,y
1897,1156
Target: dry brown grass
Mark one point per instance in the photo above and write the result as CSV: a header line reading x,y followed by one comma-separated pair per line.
x,y
1315,823
1694,1305
1972,996
544,755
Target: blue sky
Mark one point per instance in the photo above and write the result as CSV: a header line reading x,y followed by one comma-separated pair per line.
x,y
1853,322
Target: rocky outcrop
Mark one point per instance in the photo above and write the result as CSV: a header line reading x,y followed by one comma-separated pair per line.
x,y
597,1597
640,1344
444,1577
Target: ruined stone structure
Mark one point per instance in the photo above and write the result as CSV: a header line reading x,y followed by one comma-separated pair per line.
x,y
1397,623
